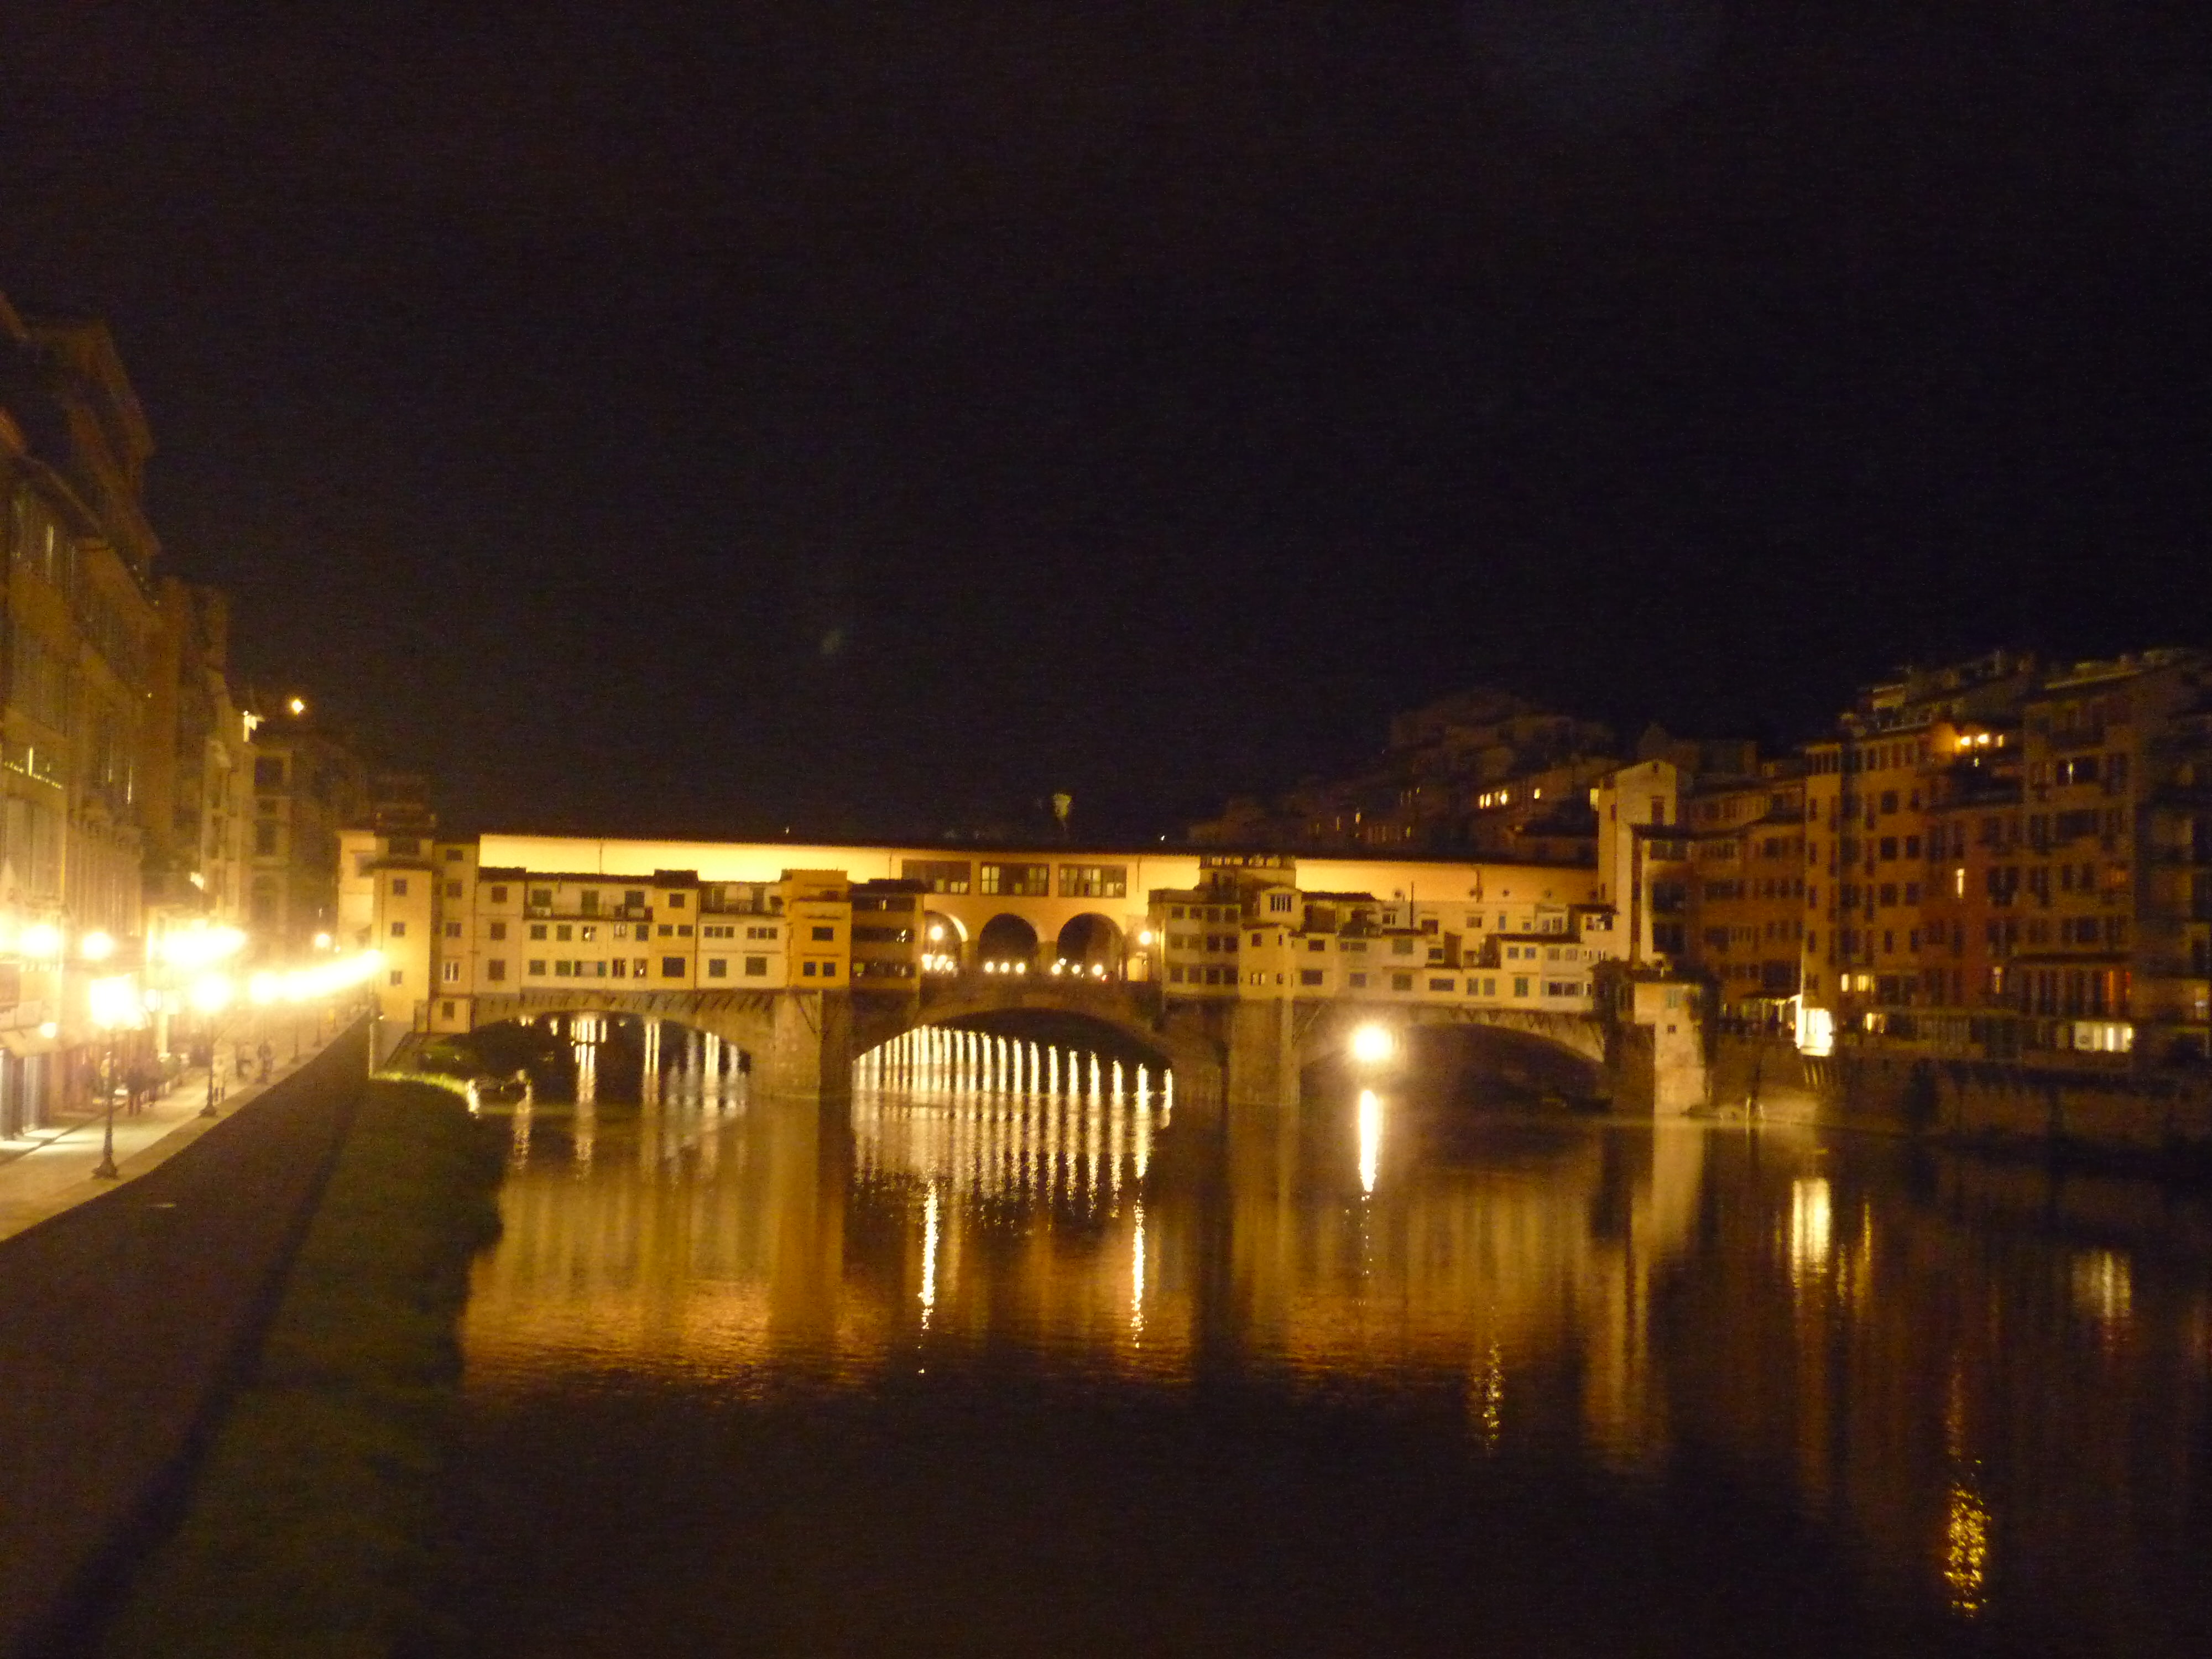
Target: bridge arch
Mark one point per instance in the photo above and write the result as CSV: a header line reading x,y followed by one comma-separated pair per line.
x,y
1189,1051
1090,944
1008,943
1533,1051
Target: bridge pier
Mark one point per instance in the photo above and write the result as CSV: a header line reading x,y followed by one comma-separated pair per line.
x,y
1263,1054
810,1049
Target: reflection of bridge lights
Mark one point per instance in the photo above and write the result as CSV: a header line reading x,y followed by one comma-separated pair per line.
x,y
1371,1139
1373,1045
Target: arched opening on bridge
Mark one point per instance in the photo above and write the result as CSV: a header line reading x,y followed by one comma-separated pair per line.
x,y
943,943
1007,945
590,1058
1030,1099
1474,1066
1090,945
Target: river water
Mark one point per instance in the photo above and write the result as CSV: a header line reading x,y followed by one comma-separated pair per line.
x,y
1021,1357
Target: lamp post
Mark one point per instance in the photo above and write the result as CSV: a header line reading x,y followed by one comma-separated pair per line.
x,y
212,994
109,999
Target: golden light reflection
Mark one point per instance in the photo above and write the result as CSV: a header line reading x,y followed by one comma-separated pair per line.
x,y
1486,1399
2103,1286
1137,1275
985,1117
1966,1552
929,1225
1371,1139
1811,1223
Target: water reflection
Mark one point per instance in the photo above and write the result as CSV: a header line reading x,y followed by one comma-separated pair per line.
x,y
1927,1361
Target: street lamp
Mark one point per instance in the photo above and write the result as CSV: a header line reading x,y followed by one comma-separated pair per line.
x,y
110,1003
212,994
1373,1045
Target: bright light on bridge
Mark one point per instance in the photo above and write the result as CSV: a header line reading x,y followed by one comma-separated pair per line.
x,y
1373,1045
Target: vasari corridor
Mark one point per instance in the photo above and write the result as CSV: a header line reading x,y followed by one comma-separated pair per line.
x,y
998,829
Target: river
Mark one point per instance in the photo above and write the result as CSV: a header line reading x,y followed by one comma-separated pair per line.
x,y
1023,1357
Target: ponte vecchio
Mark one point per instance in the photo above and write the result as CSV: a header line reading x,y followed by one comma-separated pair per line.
x,y
1237,970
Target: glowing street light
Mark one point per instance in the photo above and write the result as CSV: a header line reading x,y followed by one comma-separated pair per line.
x,y
96,947
298,706
1373,1045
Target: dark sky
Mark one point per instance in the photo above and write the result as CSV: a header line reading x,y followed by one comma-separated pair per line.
x,y
700,419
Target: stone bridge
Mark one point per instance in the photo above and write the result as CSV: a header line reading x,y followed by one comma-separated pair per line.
x,y
1244,1051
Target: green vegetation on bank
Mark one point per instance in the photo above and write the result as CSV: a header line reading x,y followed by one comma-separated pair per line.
x,y
308,1528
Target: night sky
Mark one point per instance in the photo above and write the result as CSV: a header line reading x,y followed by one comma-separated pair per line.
x,y
874,418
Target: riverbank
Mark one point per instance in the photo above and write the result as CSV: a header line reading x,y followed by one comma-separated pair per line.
x,y
2069,1108
308,1527
124,1315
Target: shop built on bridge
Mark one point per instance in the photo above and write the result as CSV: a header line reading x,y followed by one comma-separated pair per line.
x,y
1239,971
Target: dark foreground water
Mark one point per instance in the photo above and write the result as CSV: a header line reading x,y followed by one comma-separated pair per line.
x,y
999,1371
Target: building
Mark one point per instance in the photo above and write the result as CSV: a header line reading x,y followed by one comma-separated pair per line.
x,y
81,622
309,783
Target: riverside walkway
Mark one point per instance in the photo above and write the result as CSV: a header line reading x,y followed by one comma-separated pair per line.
x,y
125,1304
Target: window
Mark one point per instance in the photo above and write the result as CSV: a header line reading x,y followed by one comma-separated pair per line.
x,y
1279,903
825,934
588,901
1402,947
587,933
1441,984
453,855
537,930
496,930
634,898
399,930
756,967
672,967
1357,981
806,970
621,966
537,967
769,932
498,895
400,887
683,930
938,875
1520,987
718,968
1309,975
450,972
495,969
398,976
1094,880
564,968
1017,880
542,897
452,890
445,1011
829,970
676,901
637,968
453,930
563,930
264,837
269,773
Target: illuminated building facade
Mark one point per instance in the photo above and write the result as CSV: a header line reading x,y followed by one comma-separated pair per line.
x,y
307,785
